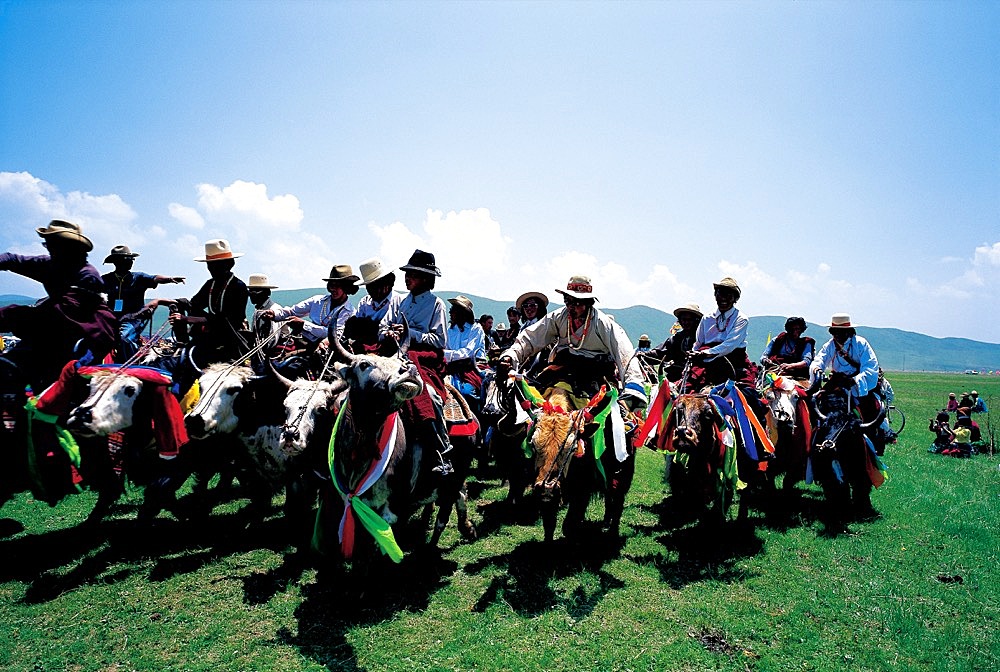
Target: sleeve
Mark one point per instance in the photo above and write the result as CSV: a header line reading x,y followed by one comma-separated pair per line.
x,y
633,382
469,345
436,334
867,378
808,353
300,309
531,340
346,312
768,350
237,296
701,335
822,360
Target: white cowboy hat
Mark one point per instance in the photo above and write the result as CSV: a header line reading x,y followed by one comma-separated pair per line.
x,y
579,287
372,271
217,250
260,281
541,298
840,321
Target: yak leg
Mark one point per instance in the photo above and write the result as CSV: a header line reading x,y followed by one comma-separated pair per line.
x,y
620,476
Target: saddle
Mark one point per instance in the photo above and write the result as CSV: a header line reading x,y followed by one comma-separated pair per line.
x,y
459,418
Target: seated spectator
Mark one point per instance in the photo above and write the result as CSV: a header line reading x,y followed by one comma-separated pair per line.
x,y
952,406
943,436
978,405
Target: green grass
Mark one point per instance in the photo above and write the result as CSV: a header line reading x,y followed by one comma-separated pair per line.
x,y
778,595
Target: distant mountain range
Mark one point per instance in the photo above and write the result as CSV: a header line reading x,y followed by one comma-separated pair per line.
x,y
897,350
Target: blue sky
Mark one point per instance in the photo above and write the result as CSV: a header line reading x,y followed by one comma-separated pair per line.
x,y
829,156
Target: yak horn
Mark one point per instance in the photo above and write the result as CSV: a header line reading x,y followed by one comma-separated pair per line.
x,y
286,382
338,348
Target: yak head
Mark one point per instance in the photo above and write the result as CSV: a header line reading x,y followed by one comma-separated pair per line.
x,y
109,406
223,389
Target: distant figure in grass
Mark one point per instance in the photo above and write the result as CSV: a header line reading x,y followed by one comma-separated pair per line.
x,y
978,405
943,436
952,406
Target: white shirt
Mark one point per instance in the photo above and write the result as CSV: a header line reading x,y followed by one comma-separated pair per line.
x,y
601,336
376,311
317,313
727,330
465,342
426,316
865,379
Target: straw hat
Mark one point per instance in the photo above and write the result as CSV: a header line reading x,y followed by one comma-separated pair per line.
x,y
728,283
372,271
421,262
464,303
217,250
57,228
579,287
690,309
541,298
342,272
120,251
260,281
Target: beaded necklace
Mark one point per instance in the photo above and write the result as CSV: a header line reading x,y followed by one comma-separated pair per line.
x,y
583,336
722,326
222,295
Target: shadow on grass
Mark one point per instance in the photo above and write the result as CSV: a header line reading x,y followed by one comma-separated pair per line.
x,y
529,570
164,547
368,591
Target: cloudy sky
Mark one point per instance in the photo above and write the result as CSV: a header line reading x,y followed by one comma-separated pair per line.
x,y
829,156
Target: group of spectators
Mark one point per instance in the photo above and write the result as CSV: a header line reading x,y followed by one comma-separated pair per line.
x,y
964,438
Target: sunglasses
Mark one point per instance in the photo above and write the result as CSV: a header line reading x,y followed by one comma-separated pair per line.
x,y
530,304
575,302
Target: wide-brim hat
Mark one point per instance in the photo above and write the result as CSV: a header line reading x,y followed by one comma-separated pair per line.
x,y
371,271
690,309
464,303
57,228
218,250
120,251
544,300
728,283
841,321
260,281
422,262
342,273
579,287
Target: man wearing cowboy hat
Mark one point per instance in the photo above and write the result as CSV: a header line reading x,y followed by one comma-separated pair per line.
x,y
466,345
588,347
216,314
722,335
674,350
74,315
424,314
849,355
378,281
126,290
790,351
259,288
317,312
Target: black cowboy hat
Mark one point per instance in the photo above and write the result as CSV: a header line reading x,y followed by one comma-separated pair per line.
x,y
120,252
421,262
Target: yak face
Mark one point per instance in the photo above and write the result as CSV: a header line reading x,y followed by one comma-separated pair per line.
x,y
782,404
383,383
694,424
309,407
216,411
559,434
109,406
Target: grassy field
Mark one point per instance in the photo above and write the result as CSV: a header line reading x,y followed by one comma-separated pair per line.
x,y
914,590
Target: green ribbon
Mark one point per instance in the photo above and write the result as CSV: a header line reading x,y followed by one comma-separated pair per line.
x,y
375,525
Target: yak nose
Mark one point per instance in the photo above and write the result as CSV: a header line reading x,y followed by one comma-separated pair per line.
x,y
289,434
80,416
195,424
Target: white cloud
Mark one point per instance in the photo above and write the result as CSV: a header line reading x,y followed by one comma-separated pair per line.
x,y
987,255
187,216
29,202
243,200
